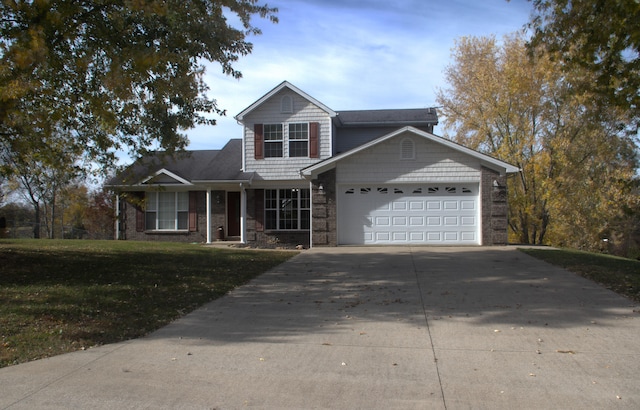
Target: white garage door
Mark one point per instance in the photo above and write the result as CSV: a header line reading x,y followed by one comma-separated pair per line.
x,y
437,214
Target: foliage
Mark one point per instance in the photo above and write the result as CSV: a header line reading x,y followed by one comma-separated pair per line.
x,y
601,38
577,162
618,274
62,296
100,76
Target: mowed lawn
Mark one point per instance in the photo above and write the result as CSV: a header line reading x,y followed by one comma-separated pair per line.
x,y
58,296
620,275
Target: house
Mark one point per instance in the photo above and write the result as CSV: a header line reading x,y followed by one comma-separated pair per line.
x,y
304,174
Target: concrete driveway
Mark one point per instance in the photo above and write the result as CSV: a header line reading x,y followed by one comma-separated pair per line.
x,y
368,328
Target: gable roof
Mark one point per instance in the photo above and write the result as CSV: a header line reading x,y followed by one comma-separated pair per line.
x,y
186,168
412,116
486,160
277,89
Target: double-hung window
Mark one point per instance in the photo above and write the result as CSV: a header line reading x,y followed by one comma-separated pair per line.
x,y
298,139
167,211
273,142
287,209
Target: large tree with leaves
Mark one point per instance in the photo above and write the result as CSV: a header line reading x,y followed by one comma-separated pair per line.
x,y
598,37
576,159
114,74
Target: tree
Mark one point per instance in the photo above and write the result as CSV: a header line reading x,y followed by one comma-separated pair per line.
x,y
576,160
114,74
40,172
598,37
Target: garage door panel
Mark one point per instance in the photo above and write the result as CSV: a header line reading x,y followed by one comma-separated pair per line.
x,y
416,221
450,205
467,220
399,205
468,205
417,236
399,236
430,214
416,205
434,221
399,221
451,221
383,221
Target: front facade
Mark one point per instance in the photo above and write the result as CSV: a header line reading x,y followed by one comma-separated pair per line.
x,y
304,174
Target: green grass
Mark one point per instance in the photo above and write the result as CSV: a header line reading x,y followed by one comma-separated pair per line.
x,y
618,274
59,296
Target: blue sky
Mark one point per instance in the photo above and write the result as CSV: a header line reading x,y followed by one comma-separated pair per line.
x,y
354,54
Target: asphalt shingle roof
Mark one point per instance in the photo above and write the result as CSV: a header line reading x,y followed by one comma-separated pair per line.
x,y
412,116
198,165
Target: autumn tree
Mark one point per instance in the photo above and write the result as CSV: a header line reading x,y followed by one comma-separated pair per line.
x,y
598,38
576,160
115,74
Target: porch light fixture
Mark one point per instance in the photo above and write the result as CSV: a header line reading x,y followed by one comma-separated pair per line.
x,y
321,188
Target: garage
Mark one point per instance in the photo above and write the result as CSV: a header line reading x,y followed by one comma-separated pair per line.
x,y
433,214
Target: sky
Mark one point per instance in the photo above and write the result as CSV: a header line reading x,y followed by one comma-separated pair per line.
x,y
354,54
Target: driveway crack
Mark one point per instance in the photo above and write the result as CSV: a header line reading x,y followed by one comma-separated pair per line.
x,y
426,320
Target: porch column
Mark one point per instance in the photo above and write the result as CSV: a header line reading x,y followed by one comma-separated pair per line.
x,y
243,212
209,215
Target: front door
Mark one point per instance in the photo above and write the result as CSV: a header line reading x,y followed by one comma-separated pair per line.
x,y
233,213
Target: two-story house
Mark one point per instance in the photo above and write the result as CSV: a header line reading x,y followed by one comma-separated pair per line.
x,y
304,174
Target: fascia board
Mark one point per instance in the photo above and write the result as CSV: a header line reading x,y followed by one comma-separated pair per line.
x,y
169,174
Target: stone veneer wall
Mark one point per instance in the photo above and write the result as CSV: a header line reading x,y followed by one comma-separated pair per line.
x,y
494,208
324,211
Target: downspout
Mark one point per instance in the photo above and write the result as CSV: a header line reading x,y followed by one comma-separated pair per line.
x,y
208,214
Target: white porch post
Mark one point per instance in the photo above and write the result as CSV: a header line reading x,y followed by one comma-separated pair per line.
x,y
310,214
209,215
243,212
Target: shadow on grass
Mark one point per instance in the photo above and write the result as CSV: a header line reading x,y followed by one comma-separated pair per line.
x,y
60,296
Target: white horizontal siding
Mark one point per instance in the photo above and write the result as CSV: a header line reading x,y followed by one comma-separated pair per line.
x,y
433,162
270,113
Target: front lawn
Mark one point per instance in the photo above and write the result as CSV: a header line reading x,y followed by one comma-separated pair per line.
x,y
618,274
58,296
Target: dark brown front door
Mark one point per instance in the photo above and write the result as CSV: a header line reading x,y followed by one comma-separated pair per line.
x,y
233,213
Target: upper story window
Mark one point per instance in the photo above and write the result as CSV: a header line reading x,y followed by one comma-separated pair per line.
x,y
299,140
293,140
273,141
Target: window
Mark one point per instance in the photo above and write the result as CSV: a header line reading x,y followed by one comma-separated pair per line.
x,y
287,209
298,140
167,211
272,140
